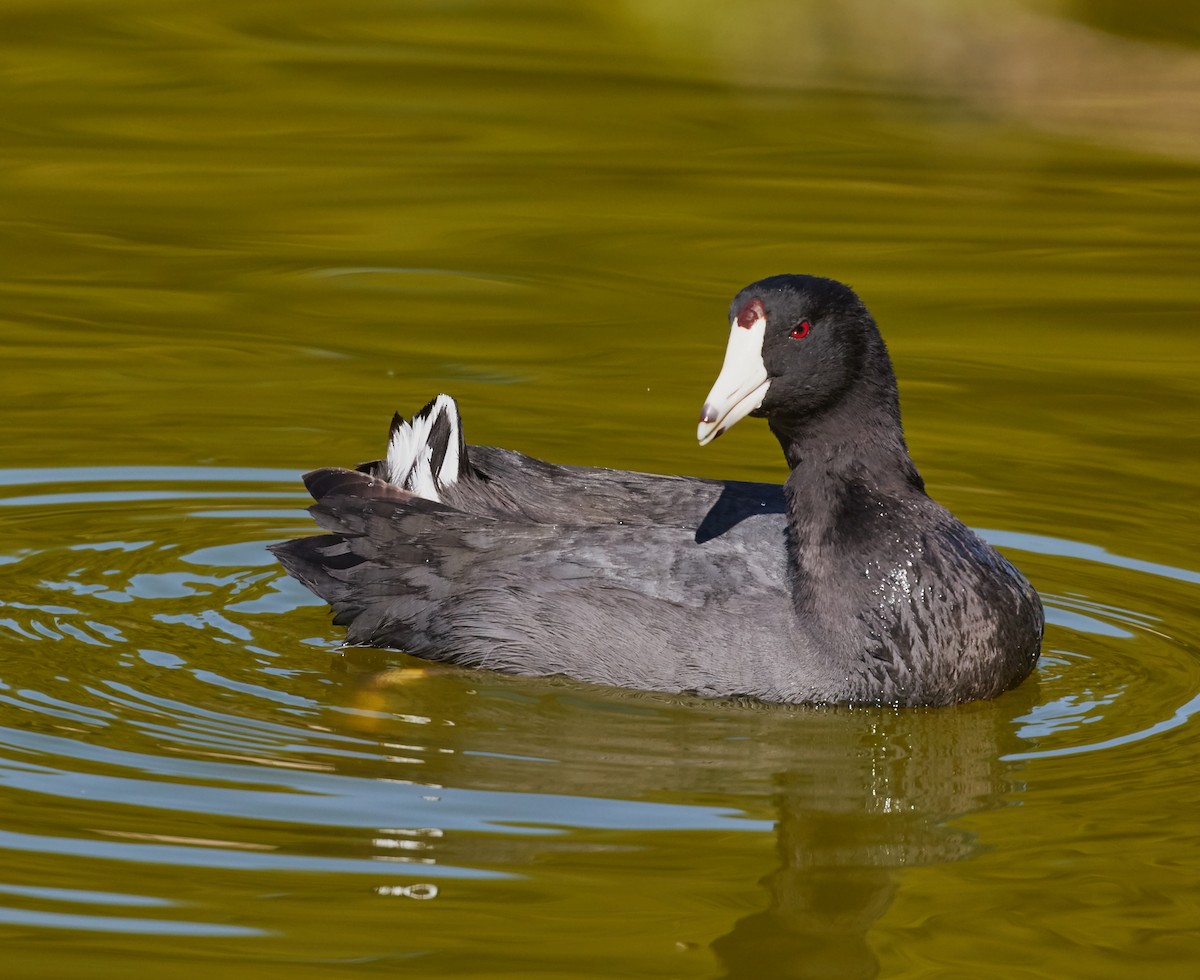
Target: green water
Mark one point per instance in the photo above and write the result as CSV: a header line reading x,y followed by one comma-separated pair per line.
x,y
235,237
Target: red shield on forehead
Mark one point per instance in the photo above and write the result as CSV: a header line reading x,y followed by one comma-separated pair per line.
x,y
749,313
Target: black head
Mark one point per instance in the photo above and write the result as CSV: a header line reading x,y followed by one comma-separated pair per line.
x,y
799,346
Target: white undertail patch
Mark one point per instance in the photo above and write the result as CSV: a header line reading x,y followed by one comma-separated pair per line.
x,y
424,455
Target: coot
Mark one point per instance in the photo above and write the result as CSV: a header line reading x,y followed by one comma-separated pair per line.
x,y
846,584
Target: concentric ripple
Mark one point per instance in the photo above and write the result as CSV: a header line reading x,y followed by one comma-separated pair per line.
x,y
181,733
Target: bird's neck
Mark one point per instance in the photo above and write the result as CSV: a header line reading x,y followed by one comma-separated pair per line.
x,y
849,492
859,439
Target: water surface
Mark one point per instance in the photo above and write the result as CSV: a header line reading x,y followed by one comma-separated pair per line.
x,y
237,237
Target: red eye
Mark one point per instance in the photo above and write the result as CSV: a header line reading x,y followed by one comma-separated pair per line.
x,y
800,330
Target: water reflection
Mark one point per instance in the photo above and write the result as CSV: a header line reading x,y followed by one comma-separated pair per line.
x,y
853,796
235,232
838,861
213,732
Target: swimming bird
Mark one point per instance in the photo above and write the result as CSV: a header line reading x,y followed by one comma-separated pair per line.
x,y
845,584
